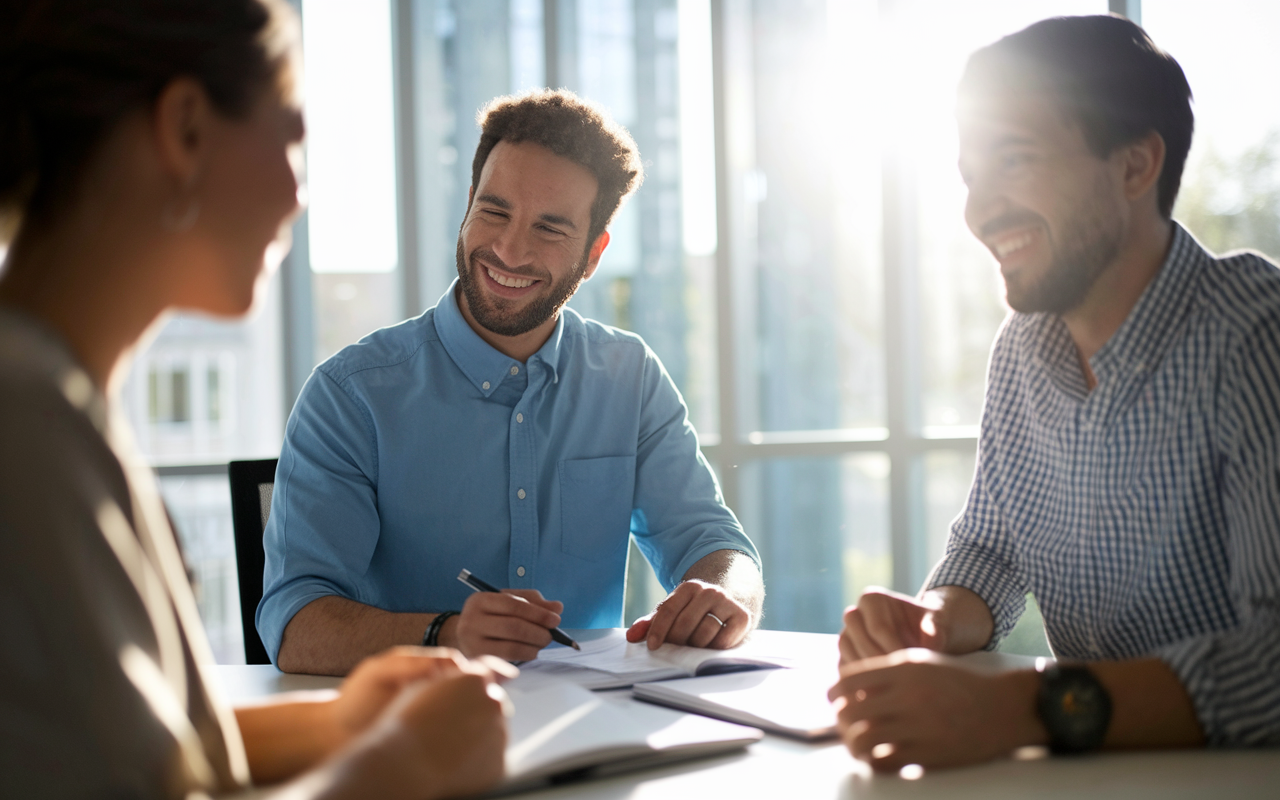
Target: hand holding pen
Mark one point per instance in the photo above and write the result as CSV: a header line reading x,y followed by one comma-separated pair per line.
x,y
513,624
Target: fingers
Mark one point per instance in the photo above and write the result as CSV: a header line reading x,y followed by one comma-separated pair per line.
x,y
882,622
888,624
535,597
685,618
513,603
639,629
401,665
461,723
854,639
513,625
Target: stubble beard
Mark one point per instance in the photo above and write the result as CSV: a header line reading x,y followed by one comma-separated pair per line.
x,y
1090,241
504,317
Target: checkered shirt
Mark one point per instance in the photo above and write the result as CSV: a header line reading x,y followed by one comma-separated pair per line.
x,y
1144,515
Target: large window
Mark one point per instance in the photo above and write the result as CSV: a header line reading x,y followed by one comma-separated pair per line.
x,y
797,255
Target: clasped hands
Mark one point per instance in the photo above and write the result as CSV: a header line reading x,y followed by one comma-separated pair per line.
x,y
414,723
903,698
515,624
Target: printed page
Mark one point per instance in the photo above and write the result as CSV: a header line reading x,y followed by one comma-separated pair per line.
x,y
608,650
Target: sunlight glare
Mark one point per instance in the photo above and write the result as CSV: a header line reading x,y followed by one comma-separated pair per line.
x,y
697,128
350,135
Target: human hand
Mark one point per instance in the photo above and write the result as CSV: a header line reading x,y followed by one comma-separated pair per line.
x,y
378,680
441,737
685,617
513,624
883,622
921,707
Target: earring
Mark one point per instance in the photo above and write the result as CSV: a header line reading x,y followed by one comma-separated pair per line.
x,y
176,222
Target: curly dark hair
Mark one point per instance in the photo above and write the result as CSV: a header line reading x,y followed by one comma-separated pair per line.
x,y
572,128
71,69
1107,75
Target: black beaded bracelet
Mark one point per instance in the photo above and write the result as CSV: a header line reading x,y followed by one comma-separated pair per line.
x,y
432,637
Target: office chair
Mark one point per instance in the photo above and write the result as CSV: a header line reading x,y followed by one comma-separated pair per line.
x,y
251,485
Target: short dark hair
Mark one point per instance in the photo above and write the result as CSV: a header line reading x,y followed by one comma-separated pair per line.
x,y
71,69
1107,74
572,128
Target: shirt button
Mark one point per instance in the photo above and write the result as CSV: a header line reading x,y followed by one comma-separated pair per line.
x,y
519,417
520,494
515,370
485,386
520,571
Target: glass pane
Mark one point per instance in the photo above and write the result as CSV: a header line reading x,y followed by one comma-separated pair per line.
x,y
351,169
207,390
201,512
467,52
961,297
948,474
648,63
814,213
1230,194
822,528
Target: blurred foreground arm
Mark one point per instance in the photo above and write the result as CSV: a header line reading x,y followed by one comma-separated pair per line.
x,y
412,723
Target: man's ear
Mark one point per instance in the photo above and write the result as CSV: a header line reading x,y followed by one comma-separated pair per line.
x,y
593,256
1143,161
180,122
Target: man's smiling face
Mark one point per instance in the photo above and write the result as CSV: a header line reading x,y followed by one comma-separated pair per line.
x,y
1050,210
523,249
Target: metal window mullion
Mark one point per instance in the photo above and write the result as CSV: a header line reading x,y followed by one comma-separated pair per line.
x,y
405,118
296,312
1131,9
726,314
903,362
551,43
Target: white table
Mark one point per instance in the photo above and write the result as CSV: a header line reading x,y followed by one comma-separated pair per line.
x,y
777,767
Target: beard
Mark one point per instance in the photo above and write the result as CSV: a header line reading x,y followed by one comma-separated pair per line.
x,y
1089,241
505,317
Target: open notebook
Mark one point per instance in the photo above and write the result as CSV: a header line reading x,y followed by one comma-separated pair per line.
x,y
787,701
608,661
560,730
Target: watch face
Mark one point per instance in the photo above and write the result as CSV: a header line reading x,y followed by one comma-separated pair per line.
x,y
1075,708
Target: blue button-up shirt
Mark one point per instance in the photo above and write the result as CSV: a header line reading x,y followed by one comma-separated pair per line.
x,y
421,451
1144,515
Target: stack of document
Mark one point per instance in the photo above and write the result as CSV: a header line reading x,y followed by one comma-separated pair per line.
x,y
775,680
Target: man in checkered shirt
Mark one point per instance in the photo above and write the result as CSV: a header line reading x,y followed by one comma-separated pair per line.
x,y
1129,459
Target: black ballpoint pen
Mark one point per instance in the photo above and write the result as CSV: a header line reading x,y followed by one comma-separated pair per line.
x,y
477,585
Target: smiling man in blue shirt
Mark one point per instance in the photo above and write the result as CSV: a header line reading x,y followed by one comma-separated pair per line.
x,y
502,433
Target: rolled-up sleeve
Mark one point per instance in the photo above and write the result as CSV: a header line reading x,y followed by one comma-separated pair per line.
x,y
1233,676
680,516
324,523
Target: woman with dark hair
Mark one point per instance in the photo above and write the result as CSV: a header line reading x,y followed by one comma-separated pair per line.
x,y
146,165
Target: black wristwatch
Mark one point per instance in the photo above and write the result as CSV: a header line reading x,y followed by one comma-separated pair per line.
x,y
1075,708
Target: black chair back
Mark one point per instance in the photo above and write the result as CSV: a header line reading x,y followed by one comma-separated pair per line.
x,y
251,486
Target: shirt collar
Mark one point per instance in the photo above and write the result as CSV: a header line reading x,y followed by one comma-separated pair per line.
x,y
1146,333
483,365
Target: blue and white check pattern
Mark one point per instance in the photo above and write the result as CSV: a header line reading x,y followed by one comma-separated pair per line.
x,y
1143,515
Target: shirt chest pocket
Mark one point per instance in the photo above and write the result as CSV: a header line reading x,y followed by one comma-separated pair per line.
x,y
595,505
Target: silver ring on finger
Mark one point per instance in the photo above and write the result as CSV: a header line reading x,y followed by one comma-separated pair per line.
x,y
717,619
